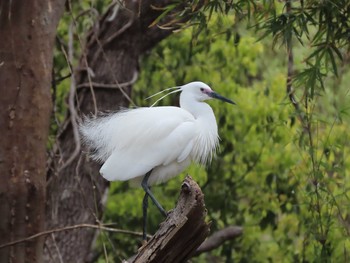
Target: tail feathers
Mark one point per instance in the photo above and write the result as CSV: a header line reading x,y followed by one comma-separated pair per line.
x,y
95,135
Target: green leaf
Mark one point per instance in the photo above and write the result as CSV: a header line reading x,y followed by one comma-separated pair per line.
x,y
167,10
334,65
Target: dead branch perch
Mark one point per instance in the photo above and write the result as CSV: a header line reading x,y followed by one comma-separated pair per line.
x,y
182,232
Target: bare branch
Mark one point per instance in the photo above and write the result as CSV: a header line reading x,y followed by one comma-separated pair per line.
x,y
44,233
110,85
219,237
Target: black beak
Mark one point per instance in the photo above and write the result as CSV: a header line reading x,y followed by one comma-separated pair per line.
x,y
214,95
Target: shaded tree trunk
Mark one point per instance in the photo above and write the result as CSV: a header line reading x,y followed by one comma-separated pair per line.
x,y
27,30
108,67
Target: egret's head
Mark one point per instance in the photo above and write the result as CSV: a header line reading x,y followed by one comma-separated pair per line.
x,y
201,92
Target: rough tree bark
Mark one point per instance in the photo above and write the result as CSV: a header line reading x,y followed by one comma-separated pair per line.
x,y
183,231
27,31
111,58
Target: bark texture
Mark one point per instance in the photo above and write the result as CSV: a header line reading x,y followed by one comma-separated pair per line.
x,y
27,30
108,68
182,232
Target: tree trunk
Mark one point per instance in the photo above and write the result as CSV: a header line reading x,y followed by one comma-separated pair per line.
x,y
27,30
109,68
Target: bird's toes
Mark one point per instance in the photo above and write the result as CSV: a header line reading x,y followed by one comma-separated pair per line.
x,y
143,243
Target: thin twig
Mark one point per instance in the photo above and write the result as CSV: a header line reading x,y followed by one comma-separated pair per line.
x,y
290,72
84,56
61,78
57,248
72,110
110,85
119,32
44,233
104,42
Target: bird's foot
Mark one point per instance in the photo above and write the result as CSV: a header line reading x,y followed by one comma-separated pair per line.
x,y
143,244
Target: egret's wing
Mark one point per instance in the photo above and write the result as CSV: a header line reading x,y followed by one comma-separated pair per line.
x,y
121,130
138,140
138,159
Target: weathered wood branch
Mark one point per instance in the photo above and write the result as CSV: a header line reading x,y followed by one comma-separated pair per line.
x,y
183,231
218,238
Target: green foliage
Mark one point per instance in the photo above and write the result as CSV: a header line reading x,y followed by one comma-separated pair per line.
x,y
323,25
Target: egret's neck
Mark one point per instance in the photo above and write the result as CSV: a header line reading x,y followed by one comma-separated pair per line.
x,y
206,139
200,110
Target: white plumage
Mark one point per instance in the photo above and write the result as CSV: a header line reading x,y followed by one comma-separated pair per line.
x,y
166,139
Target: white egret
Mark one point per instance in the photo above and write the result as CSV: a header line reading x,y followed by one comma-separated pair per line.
x,y
150,145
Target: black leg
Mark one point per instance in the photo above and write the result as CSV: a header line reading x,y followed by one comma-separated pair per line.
x,y
144,209
145,187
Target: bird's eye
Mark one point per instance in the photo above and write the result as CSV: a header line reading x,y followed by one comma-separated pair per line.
x,y
201,89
